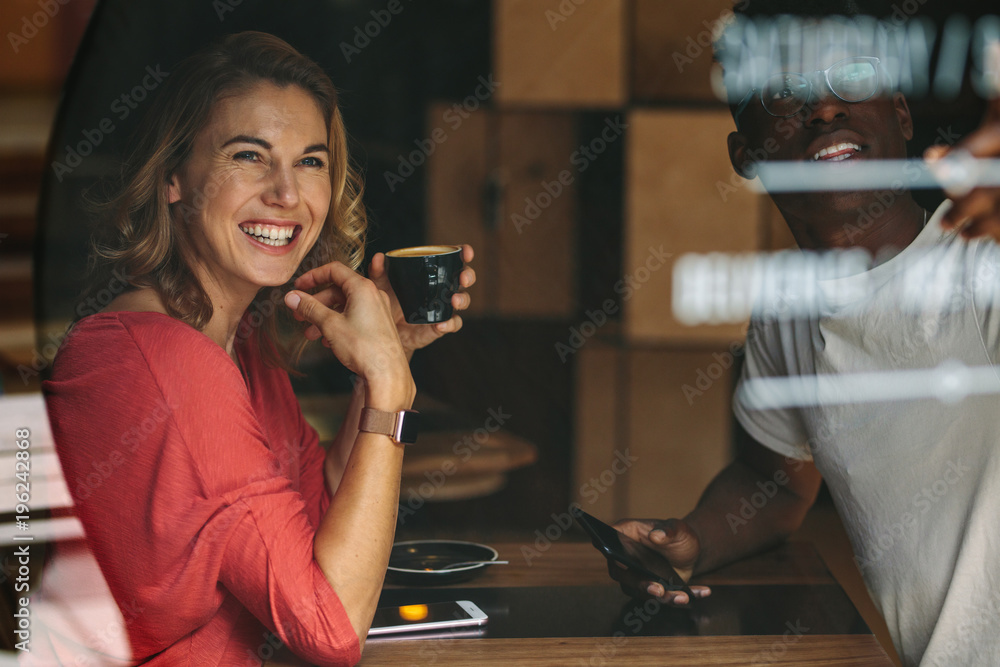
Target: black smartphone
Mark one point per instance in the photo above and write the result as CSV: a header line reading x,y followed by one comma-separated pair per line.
x,y
620,548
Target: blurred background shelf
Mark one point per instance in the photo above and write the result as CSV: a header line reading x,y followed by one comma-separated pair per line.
x,y
455,458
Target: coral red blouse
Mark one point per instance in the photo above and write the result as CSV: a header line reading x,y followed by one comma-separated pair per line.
x,y
200,492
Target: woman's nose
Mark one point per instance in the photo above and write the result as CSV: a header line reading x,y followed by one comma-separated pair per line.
x,y
281,188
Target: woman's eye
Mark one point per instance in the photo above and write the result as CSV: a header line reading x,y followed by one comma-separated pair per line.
x,y
250,156
313,162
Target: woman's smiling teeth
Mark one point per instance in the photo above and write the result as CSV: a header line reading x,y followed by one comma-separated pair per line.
x,y
268,234
837,152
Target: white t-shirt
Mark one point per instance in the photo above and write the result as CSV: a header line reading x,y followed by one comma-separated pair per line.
x,y
916,482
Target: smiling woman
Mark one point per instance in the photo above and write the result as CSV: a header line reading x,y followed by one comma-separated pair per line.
x,y
264,153
224,520
214,98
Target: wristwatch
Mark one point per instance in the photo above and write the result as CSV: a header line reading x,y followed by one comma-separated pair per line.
x,y
401,426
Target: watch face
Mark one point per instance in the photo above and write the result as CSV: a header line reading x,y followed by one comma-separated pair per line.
x,y
409,427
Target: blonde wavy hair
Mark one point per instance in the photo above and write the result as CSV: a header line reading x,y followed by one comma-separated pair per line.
x,y
144,241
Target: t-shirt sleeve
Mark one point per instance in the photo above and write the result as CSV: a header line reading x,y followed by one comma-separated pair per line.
x,y
986,296
779,429
195,503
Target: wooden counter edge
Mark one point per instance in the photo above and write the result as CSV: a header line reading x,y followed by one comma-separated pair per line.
x,y
815,651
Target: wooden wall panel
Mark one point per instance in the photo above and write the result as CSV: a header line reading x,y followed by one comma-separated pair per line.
x,y
561,53
671,49
535,250
680,439
652,428
457,173
30,54
683,195
525,256
599,397
40,40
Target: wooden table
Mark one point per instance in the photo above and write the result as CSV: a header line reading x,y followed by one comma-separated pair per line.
x,y
779,586
785,585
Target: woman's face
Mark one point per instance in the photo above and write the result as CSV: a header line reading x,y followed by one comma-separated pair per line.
x,y
255,191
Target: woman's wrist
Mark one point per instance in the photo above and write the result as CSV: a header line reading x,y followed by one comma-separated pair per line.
x,y
390,394
388,384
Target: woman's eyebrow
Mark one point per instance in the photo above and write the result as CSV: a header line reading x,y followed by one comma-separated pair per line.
x,y
247,139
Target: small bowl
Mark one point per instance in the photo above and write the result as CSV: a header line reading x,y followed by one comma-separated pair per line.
x,y
420,562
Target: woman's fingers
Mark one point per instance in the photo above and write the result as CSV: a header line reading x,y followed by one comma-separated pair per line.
x,y
460,301
335,276
467,278
376,270
307,308
338,281
468,254
310,309
450,326
334,273
363,337
331,297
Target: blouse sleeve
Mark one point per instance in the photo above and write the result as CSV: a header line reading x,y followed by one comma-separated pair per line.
x,y
313,485
195,503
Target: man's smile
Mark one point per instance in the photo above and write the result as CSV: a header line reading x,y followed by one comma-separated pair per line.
x,y
836,146
837,152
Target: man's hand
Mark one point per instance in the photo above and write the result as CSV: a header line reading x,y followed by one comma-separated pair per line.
x,y
675,541
978,207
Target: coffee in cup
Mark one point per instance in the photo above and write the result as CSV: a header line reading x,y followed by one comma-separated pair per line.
x,y
424,278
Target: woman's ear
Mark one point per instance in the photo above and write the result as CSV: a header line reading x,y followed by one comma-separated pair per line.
x,y
738,155
173,189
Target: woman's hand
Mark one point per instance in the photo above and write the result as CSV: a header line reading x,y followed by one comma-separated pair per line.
x,y
416,336
675,541
355,320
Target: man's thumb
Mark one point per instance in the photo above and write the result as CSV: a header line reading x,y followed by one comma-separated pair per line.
x,y
665,532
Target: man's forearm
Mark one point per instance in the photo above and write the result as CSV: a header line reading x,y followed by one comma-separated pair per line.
x,y
742,512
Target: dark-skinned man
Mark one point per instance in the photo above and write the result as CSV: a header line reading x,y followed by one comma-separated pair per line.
x,y
916,482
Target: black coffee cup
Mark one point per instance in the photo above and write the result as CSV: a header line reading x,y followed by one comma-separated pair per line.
x,y
424,278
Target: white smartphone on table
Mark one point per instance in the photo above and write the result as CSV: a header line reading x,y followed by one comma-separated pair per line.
x,y
426,617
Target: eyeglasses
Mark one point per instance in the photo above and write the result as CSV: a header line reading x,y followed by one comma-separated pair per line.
x,y
786,93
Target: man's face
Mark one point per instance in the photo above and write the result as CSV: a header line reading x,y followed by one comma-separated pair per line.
x,y
826,129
